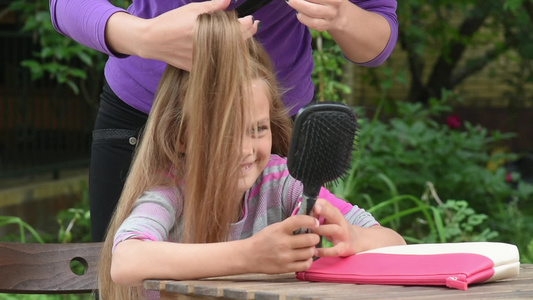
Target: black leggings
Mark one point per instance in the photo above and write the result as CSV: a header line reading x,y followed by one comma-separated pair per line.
x,y
115,135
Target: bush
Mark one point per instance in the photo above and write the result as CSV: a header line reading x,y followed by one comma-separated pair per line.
x,y
407,164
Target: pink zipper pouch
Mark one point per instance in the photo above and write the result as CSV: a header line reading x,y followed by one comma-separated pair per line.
x,y
455,265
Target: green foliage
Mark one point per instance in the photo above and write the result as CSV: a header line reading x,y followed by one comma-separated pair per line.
x,y
405,164
527,258
45,297
405,160
23,227
448,222
327,72
75,223
448,41
412,149
461,223
57,56
78,225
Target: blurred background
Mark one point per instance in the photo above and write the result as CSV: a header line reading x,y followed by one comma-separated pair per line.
x,y
445,145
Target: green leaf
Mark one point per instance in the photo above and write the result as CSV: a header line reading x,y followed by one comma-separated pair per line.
x,y
77,73
512,4
85,58
17,5
73,87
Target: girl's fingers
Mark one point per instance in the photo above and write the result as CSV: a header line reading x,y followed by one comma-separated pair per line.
x,y
305,240
326,252
303,254
331,231
299,221
298,266
330,213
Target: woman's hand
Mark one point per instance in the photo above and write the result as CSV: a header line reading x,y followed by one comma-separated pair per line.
x,y
319,15
167,37
362,35
275,249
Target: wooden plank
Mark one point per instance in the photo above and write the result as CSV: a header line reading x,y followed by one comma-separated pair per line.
x,y
45,268
156,285
287,287
173,296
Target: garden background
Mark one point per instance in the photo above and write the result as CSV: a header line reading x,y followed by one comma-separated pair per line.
x,y
445,145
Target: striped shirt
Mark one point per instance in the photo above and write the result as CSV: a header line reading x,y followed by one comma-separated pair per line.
x,y
157,214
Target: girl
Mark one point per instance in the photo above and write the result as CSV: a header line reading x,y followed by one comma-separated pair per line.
x,y
149,34
209,193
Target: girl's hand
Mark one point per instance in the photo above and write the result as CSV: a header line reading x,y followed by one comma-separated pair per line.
x,y
336,228
275,249
319,15
167,37
350,239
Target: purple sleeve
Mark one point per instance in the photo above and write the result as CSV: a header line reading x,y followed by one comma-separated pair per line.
x,y
84,21
387,9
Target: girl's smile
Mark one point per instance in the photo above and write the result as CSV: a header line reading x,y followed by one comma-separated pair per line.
x,y
246,167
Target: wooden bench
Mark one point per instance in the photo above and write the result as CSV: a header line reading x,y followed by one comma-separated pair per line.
x,y
49,268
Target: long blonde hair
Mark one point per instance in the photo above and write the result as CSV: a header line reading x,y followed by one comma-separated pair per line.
x,y
194,131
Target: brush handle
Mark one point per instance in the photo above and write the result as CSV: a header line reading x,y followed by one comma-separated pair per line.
x,y
308,202
309,196
306,208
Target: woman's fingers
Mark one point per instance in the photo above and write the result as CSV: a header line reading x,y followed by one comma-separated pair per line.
x,y
316,9
213,5
249,26
320,15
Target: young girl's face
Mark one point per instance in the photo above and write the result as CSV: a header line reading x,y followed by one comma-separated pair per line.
x,y
257,140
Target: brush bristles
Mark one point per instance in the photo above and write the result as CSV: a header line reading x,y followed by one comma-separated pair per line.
x,y
326,142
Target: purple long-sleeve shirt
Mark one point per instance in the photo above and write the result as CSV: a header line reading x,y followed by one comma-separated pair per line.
x,y
135,79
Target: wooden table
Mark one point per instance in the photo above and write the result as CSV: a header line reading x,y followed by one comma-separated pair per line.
x,y
286,286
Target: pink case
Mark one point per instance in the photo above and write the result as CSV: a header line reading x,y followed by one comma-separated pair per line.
x,y
455,265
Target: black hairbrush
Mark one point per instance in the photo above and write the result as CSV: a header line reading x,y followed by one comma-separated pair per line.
x,y
321,148
249,7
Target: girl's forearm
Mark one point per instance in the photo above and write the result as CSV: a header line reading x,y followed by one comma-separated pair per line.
x,y
134,261
375,237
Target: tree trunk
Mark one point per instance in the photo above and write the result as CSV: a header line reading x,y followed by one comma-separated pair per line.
x,y
443,70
